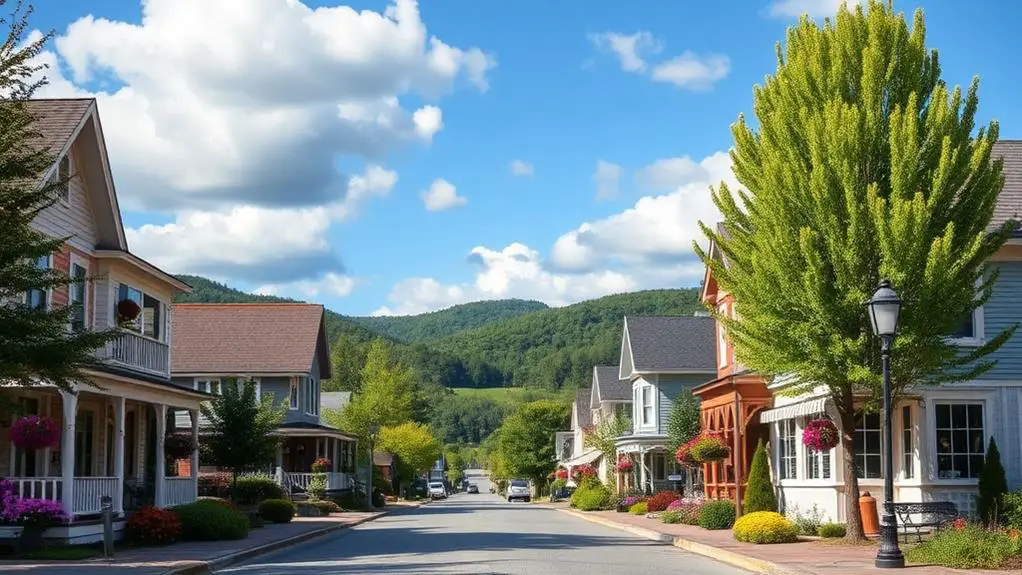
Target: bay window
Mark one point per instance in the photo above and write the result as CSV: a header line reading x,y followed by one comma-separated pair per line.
x,y
866,440
961,441
294,397
818,463
787,449
647,405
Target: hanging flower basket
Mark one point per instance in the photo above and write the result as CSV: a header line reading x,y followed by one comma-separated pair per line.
x,y
704,448
820,435
624,464
561,473
35,432
179,445
583,471
320,465
128,310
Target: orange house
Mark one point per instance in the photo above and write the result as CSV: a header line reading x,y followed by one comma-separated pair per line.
x,y
731,403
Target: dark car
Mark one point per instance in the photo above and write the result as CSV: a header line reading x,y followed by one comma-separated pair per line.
x,y
473,488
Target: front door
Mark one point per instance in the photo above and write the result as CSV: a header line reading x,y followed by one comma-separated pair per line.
x,y
85,443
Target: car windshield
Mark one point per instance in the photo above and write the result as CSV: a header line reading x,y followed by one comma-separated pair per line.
x,y
519,483
436,485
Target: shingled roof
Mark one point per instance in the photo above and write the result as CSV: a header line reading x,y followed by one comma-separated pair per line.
x,y
57,120
608,387
581,407
1009,203
671,343
264,338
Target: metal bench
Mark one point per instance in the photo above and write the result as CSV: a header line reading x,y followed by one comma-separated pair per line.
x,y
934,514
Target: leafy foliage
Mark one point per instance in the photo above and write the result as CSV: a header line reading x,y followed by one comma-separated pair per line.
x,y
683,424
970,547
718,514
211,521
445,322
277,510
526,440
759,491
993,485
414,446
765,527
603,438
239,434
35,344
466,418
861,165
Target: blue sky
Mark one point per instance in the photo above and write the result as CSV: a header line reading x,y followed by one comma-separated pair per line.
x,y
545,87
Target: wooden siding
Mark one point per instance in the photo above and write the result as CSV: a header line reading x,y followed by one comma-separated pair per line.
x,y
1002,310
74,218
668,388
113,272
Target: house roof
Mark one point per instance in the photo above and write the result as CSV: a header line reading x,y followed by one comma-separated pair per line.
x,y
58,120
264,338
607,386
1009,203
583,412
671,343
334,399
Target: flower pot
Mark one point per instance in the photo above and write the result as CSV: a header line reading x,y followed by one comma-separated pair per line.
x,y
30,538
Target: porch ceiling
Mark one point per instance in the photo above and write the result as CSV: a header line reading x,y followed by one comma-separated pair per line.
x,y
641,443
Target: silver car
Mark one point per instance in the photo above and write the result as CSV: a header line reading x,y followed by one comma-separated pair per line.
x,y
518,489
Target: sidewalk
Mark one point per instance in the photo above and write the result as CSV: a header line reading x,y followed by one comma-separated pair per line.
x,y
803,558
199,557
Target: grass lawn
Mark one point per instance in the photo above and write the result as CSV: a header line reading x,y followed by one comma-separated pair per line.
x,y
511,395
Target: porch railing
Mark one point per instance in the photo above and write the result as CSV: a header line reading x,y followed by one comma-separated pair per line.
x,y
179,491
135,351
89,490
334,480
36,487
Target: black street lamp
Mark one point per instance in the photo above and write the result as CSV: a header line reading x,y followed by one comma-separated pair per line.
x,y
884,308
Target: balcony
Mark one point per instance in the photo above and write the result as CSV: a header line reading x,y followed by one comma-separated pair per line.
x,y
137,352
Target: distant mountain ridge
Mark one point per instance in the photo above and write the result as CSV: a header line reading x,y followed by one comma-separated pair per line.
x,y
484,344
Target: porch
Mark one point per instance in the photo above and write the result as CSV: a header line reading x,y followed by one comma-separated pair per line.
x,y
655,468
111,445
304,443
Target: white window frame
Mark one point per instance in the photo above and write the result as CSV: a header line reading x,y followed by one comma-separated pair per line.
x,y
647,422
861,454
208,384
49,291
76,260
984,432
907,435
978,327
311,397
722,338
294,396
784,454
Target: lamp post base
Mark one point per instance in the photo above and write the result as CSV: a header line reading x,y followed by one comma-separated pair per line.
x,y
889,560
889,556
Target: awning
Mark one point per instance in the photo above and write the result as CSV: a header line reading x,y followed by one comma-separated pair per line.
x,y
585,458
814,406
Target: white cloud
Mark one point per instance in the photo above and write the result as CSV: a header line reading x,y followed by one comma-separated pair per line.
x,y
657,232
607,177
521,168
693,72
669,173
250,102
442,195
630,49
513,272
331,284
688,71
814,8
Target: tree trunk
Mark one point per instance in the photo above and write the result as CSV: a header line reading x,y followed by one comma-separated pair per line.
x,y
853,519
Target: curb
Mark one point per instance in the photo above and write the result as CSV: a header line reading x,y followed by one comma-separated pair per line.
x,y
722,555
205,567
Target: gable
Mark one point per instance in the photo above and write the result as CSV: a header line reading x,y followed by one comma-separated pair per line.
x,y
594,397
627,366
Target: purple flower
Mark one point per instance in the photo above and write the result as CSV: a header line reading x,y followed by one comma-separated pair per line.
x,y
29,511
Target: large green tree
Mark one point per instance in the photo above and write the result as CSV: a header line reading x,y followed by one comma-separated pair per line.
x,y
35,342
683,423
238,434
526,440
415,446
862,165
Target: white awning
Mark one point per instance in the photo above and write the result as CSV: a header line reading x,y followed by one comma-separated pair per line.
x,y
814,406
585,458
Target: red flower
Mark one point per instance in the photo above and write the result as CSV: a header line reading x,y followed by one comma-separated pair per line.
x,y
584,471
35,432
820,435
320,465
661,500
153,526
561,473
624,463
959,524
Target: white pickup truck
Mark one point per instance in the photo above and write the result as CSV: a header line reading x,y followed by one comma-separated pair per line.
x,y
437,490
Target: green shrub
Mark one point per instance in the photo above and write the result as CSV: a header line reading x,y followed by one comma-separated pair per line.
x,y
219,500
971,547
255,521
765,527
593,498
759,494
809,522
992,487
277,510
250,490
832,530
671,517
640,508
348,500
1012,512
717,515
211,521
317,486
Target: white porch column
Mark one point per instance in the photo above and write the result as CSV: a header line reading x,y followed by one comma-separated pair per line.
x,y
336,458
161,460
67,451
642,471
118,455
194,415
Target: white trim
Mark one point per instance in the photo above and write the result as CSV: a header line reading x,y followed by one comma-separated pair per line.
x,y
294,394
722,356
208,386
985,400
643,423
978,327
73,260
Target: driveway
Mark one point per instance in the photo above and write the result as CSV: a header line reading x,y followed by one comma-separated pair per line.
x,y
481,534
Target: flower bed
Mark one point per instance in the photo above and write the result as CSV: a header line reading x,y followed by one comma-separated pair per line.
x,y
765,527
686,510
968,547
661,500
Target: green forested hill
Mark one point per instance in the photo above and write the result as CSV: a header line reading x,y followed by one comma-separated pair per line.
x,y
506,343
437,324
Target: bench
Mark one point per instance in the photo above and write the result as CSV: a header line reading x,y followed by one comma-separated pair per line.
x,y
934,514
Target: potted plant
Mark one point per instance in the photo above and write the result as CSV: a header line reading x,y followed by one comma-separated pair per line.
x,y
820,435
33,432
708,448
179,445
35,516
624,464
127,312
320,465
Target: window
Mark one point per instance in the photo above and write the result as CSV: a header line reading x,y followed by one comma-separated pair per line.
x,y
40,298
62,174
960,440
967,329
311,395
647,404
658,464
787,449
817,464
722,338
208,385
907,460
85,434
294,394
150,320
866,440
77,295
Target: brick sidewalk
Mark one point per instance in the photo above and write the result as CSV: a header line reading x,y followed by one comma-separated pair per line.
x,y
806,557
195,554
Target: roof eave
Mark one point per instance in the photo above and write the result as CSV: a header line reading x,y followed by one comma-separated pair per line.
x,y
145,266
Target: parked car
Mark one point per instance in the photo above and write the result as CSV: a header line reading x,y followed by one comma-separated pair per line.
x,y
518,489
437,490
472,488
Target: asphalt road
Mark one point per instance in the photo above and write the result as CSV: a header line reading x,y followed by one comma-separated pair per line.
x,y
481,534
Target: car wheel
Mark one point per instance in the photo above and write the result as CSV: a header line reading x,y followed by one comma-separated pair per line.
x,y
527,499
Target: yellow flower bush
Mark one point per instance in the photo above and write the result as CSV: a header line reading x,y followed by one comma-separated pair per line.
x,y
765,527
